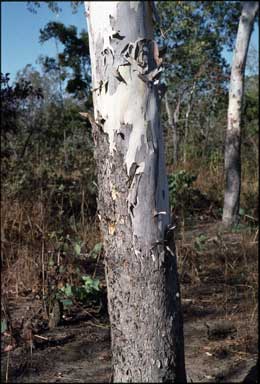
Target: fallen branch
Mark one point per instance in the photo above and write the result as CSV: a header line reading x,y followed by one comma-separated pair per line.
x,y
41,337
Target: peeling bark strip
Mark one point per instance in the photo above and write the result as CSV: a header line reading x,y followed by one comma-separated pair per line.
x,y
141,271
233,135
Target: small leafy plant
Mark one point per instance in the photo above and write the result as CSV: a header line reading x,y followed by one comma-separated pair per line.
x,y
199,242
96,251
3,325
179,182
88,290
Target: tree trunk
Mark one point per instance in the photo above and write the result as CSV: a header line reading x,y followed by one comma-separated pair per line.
x,y
233,134
186,127
173,121
140,261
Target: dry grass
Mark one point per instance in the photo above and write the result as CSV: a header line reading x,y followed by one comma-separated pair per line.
x,y
21,227
222,278
210,180
227,260
90,233
29,238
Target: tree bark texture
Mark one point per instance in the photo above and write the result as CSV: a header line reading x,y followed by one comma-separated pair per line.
x,y
173,121
233,134
140,262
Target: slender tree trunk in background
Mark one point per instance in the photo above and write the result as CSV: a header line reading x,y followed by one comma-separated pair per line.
x,y
173,121
187,114
186,129
207,135
207,130
140,262
233,134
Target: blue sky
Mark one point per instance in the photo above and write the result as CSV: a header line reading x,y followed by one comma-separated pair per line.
x,y
20,33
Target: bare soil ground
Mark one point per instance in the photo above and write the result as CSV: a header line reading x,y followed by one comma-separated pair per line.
x,y
218,272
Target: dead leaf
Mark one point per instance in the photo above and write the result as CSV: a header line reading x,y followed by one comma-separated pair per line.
x,y
114,193
111,228
9,347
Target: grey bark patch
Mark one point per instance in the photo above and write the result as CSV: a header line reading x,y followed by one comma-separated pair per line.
x,y
149,136
122,137
132,172
163,194
134,189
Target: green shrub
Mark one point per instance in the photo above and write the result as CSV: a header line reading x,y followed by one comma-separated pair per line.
x,y
179,183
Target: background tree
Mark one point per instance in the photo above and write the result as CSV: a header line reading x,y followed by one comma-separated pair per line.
x,y
233,135
194,33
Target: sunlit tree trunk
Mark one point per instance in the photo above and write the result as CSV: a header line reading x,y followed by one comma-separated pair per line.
x,y
140,262
186,126
233,134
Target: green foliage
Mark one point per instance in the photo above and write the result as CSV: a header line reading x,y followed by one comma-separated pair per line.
x,y
251,106
32,6
67,303
77,248
215,159
50,153
66,279
239,227
241,212
3,325
14,102
75,57
48,180
96,251
179,183
195,72
87,291
90,285
199,242
67,290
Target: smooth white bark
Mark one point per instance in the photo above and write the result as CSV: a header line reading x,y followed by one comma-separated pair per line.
x,y
233,134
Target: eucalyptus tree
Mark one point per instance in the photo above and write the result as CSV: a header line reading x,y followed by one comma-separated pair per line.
x,y
233,134
194,33
140,261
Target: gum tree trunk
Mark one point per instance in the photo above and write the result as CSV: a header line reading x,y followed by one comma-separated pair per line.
x,y
233,134
140,262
